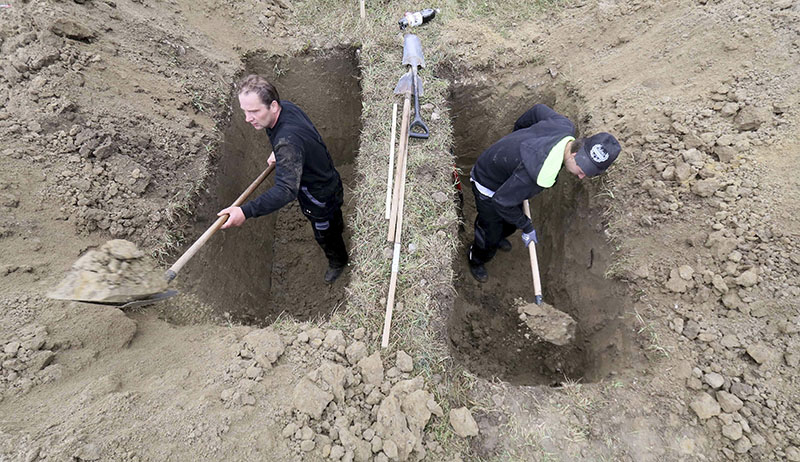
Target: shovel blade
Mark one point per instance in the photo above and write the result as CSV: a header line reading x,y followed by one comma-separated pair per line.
x,y
154,298
412,51
405,84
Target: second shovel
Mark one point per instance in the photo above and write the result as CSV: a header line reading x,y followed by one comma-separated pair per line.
x,y
412,56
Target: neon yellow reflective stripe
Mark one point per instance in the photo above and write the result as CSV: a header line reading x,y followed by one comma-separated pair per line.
x,y
552,165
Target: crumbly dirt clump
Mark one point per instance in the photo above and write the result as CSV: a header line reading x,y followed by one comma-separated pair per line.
x,y
116,272
351,405
550,324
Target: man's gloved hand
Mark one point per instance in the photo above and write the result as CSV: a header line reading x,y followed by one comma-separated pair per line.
x,y
527,238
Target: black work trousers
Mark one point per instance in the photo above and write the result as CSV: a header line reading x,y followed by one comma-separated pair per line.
x,y
327,222
490,229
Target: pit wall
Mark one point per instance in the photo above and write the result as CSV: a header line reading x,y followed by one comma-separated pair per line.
x,y
217,273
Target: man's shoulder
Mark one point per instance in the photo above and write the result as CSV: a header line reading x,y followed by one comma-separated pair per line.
x,y
291,108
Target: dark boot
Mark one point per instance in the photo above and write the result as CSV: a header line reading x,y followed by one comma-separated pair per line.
x,y
332,274
479,273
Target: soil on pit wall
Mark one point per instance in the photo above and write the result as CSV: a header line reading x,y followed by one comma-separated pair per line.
x,y
107,116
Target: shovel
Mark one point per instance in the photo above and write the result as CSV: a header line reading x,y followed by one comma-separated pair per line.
x,y
405,86
172,272
412,56
408,83
550,324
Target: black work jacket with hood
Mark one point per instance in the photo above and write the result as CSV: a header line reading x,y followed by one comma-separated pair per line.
x,y
303,165
510,166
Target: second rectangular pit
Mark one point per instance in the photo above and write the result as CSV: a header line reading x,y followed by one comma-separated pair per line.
x,y
485,330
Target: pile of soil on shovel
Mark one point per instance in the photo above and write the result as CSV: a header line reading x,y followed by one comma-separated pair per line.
x,y
116,272
548,323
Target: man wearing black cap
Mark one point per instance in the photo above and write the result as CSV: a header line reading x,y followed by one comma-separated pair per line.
x,y
521,165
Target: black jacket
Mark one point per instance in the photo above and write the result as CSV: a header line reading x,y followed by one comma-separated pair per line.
x,y
510,166
303,164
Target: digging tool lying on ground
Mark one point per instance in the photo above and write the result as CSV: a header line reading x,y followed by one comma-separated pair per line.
x,y
544,320
412,56
387,322
92,281
412,53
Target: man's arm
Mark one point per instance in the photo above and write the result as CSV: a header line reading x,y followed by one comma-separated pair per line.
x,y
509,197
535,114
288,170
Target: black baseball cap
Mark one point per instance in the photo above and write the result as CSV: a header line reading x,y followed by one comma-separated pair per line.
x,y
597,153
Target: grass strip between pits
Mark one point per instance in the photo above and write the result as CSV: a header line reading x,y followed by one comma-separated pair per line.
x,y
426,275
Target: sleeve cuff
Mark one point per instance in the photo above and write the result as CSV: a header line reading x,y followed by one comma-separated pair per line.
x,y
247,209
528,228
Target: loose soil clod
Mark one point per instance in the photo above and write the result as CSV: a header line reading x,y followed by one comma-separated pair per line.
x,y
116,272
550,324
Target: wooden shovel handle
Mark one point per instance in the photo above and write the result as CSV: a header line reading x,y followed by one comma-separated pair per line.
x,y
537,283
400,168
387,319
398,232
176,267
391,164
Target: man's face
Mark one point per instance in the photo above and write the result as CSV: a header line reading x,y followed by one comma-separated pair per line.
x,y
572,166
256,113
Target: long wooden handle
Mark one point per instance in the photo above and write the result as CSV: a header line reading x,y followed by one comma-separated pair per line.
x,y
402,149
537,283
176,267
387,321
391,164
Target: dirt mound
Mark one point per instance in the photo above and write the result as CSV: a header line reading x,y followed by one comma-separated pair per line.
x,y
28,359
356,405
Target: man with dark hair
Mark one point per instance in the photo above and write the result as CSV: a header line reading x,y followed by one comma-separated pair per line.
x,y
304,171
521,165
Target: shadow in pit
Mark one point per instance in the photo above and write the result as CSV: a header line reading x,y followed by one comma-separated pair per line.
x,y
272,264
484,328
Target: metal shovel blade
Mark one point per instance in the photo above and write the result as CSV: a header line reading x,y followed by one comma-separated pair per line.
x,y
412,51
406,85
136,303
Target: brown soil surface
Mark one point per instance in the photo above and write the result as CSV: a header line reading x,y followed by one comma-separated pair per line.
x,y
681,266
